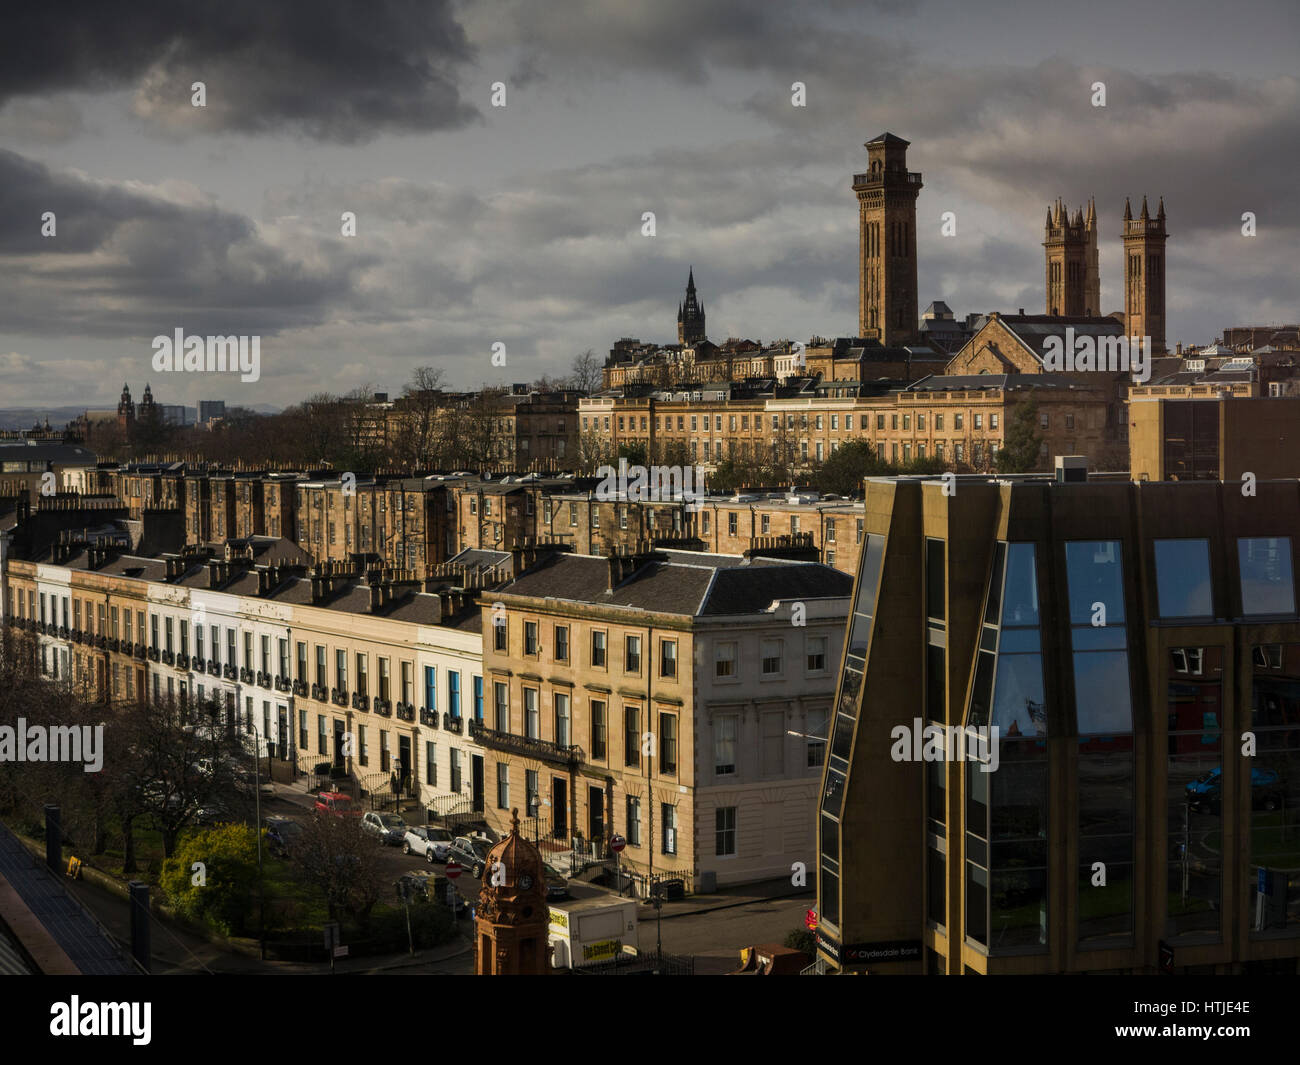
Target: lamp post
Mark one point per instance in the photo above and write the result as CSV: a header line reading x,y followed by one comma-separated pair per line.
x,y
257,799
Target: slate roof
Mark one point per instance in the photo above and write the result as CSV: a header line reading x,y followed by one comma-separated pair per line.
x,y
687,583
80,936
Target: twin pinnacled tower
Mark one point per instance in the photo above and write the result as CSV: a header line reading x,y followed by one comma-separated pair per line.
x,y
887,290
690,315
1073,282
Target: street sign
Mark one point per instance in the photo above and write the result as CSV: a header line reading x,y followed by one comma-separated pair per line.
x,y
341,952
453,869
617,843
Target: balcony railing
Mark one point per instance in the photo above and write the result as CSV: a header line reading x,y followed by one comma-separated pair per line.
x,y
383,707
214,668
338,697
283,684
154,654
428,717
229,672
545,750
405,712
245,675
360,702
452,723
320,693
183,661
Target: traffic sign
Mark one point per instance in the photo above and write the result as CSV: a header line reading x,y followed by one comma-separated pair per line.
x,y
617,843
453,869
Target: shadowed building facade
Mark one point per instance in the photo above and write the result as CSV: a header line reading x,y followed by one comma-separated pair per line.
x,y
1137,647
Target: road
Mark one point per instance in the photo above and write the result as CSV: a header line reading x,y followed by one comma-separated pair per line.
x,y
715,938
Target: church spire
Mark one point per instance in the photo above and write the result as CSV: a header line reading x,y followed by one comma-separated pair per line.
x,y
1128,210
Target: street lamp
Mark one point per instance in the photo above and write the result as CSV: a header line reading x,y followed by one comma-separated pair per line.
x,y
257,799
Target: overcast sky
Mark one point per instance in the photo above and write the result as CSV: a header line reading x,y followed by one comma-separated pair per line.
x,y
523,225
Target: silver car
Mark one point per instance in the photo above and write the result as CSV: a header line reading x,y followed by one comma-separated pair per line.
x,y
387,828
433,843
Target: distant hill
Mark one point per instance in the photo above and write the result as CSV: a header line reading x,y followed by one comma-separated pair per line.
x,y
26,417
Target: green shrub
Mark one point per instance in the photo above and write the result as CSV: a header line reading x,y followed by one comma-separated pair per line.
x,y
224,897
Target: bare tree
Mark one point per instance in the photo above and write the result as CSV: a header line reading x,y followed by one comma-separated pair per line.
x,y
417,438
335,855
585,373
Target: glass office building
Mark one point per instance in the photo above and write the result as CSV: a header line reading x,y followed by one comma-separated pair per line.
x,y
1067,732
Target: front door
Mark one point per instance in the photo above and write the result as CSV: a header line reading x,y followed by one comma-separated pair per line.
x,y
403,763
559,807
476,777
595,814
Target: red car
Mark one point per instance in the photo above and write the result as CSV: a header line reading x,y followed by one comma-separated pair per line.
x,y
336,803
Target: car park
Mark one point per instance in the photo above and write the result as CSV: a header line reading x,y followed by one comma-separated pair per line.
x,y
432,843
389,829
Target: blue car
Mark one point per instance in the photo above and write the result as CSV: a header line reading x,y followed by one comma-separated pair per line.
x,y
1206,791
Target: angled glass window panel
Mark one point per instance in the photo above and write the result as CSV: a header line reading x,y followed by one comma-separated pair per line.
x,y
873,554
849,688
1183,579
1101,692
833,793
1020,591
1101,638
1019,641
829,897
830,839
859,635
934,579
1095,571
935,701
1019,799
842,742
1019,705
1267,584
982,690
977,799
989,638
994,603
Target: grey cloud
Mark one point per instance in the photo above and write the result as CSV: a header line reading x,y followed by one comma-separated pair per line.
x,y
324,68
126,261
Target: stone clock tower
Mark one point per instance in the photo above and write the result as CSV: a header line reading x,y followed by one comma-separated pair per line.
x,y
510,927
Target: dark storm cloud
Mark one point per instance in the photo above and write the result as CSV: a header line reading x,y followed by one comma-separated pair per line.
x,y
681,39
130,260
329,69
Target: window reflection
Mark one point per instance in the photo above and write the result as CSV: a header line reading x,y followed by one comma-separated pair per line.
x,y
1194,795
1272,896
1267,586
1183,579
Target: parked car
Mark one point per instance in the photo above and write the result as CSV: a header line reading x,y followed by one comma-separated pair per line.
x,y
389,829
336,804
557,886
1206,791
433,843
428,887
281,834
469,852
